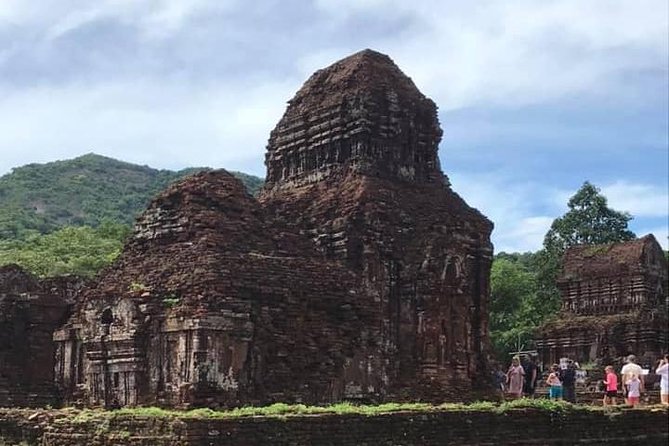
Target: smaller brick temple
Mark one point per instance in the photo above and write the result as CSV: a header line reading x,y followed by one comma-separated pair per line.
x,y
614,303
204,307
30,310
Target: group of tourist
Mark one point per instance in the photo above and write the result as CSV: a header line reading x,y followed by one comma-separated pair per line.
x,y
521,380
633,382
515,378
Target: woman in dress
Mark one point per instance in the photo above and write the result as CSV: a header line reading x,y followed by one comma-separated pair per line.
x,y
515,378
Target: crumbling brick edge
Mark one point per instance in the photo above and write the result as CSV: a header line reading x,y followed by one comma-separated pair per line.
x,y
648,426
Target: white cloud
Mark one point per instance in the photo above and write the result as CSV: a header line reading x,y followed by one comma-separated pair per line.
x,y
154,18
640,200
492,52
164,125
512,206
522,52
74,20
9,10
523,212
527,234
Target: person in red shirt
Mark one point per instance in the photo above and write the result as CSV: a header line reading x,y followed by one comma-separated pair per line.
x,y
611,383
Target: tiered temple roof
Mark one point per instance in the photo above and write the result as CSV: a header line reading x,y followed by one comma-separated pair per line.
x,y
361,113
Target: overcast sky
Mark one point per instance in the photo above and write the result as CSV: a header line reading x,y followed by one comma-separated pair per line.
x,y
535,97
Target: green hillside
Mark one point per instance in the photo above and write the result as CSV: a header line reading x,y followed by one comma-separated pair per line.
x,y
84,191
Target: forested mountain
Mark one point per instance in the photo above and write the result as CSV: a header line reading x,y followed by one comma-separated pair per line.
x,y
84,191
73,216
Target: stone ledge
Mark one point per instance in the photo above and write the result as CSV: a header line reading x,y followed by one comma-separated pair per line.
x,y
425,425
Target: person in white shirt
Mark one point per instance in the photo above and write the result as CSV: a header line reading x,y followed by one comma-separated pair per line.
x,y
631,369
663,371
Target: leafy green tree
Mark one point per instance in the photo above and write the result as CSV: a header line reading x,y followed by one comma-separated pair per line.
x,y
546,267
589,221
79,250
512,288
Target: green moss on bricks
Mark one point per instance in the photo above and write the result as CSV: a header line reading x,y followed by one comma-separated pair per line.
x,y
532,422
281,410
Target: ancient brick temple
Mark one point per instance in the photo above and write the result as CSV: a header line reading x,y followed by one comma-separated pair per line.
x,y
614,303
30,310
357,274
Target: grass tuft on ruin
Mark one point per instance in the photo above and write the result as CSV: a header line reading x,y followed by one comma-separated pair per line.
x,y
282,410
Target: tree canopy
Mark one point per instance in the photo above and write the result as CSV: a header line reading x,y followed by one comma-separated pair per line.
x,y
513,290
82,250
589,221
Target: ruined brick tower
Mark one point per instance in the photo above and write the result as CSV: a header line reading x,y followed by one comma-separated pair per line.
x,y
357,274
353,165
362,114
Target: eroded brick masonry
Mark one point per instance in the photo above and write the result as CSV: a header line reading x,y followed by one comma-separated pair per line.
x,y
529,427
614,303
30,311
358,273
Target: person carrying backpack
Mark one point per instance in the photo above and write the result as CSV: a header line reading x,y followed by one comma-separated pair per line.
x,y
531,374
568,378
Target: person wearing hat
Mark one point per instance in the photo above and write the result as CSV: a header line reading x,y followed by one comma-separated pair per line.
x,y
628,371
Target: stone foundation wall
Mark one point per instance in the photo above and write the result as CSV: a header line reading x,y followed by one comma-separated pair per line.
x,y
520,426
604,339
30,310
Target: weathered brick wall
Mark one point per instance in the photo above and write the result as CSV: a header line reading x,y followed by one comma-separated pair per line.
x,y
614,303
20,426
522,426
30,310
203,309
361,113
